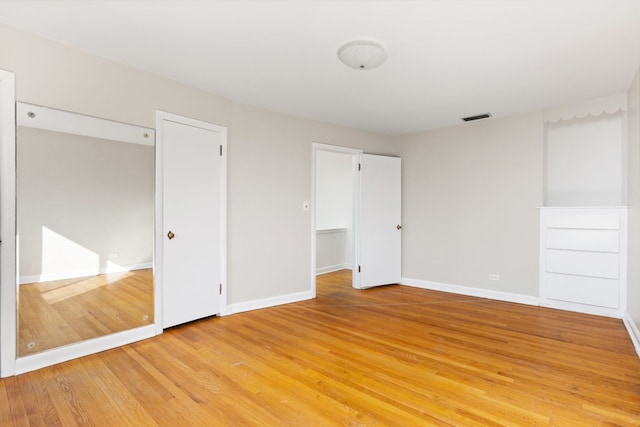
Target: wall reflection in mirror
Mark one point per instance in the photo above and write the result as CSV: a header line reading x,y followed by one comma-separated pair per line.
x,y
85,209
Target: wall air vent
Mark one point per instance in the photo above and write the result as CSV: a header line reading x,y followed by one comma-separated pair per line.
x,y
478,117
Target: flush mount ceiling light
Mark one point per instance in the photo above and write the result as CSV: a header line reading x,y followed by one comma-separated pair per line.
x,y
362,54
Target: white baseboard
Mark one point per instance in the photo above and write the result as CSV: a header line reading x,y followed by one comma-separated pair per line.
x,y
82,273
582,308
474,292
332,268
634,332
268,302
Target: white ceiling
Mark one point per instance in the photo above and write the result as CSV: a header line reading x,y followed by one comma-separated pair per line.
x,y
446,59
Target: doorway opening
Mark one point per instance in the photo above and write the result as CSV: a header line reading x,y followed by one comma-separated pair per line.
x,y
335,187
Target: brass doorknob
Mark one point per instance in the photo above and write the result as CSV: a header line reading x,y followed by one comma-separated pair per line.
x,y
399,227
170,235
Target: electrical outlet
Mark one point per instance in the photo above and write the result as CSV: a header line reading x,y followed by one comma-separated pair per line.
x,y
113,255
494,277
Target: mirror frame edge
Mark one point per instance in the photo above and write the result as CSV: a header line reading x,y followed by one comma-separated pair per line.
x,y
158,224
8,300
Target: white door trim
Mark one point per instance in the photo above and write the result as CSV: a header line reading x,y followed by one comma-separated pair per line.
x,y
159,231
355,153
8,324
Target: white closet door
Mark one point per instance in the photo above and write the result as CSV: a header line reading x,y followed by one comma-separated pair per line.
x,y
192,221
380,220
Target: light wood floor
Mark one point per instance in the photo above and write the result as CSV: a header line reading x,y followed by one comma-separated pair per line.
x,y
61,312
386,356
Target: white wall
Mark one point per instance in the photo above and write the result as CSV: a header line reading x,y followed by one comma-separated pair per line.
x,y
469,195
270,177
584,162
334,190
334,210
633,275
269,159
333,250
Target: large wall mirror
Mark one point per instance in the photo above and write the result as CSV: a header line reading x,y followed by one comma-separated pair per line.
x,y
84,226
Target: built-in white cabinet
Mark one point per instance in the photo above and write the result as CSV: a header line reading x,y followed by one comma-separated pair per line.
x,y
583,250
583,259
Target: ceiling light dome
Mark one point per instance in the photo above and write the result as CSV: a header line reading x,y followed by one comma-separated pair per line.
x,y
362,54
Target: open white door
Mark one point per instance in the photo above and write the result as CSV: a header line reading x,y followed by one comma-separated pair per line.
x,y
193,218
379,260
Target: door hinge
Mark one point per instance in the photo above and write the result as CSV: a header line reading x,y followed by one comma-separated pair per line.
x,y
359,166
358,268
220,150
220,288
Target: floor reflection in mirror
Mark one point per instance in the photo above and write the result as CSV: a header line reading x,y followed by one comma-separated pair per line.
x,y
57,313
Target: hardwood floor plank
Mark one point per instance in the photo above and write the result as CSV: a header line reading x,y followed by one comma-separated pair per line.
x,y
38,405
403,391
385,356
73,382
121,406
263,384
14,412
300,373
189,379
